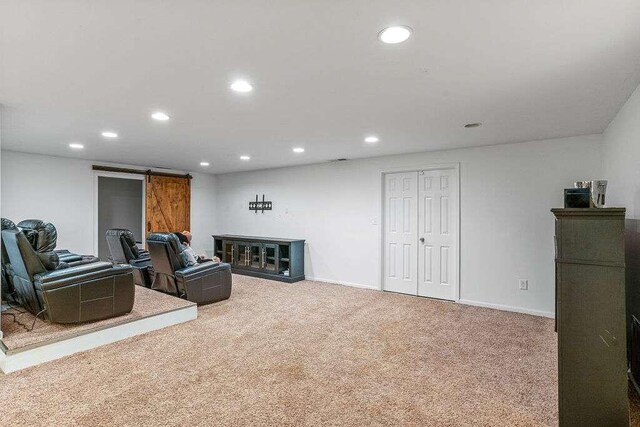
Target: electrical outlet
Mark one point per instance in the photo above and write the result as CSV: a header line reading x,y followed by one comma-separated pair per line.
x,y
524,284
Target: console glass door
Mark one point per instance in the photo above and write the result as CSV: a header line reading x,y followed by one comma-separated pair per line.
x,y
256,262
228,252
243,254
269,257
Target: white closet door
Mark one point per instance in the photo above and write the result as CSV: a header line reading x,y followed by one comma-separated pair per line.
x,y
438,230
401,233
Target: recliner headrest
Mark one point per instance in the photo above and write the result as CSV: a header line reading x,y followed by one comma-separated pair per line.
x,y
120,232
169,238
41,235
7,224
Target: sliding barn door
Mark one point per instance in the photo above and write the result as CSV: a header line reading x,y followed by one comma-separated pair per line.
x,y
168,204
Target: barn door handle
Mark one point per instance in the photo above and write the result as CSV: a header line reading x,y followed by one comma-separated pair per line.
x,y
149,226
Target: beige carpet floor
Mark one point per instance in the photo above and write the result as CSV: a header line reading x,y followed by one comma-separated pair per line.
x,y
16,325
305,354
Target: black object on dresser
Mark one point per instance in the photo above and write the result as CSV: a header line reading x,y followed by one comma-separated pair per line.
x,y
590,317
266,257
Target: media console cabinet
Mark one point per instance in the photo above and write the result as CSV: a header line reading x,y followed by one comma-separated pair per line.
x,y
265,257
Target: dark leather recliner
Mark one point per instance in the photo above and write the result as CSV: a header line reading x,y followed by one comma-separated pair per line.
x,y
7,285
43,238
202,283
124,250
77,294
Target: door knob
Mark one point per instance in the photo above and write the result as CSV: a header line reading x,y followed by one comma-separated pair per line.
x,y
422,240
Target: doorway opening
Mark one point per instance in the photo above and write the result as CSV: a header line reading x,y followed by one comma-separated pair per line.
x,y
421,232
120,204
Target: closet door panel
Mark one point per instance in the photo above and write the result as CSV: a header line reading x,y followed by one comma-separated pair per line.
x,y
401,233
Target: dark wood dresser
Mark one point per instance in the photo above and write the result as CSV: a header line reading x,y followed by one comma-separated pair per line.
x,y
590,317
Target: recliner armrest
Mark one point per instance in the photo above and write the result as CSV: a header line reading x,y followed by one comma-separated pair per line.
x,y
70,258
143,254
140,263
82,273
200,269
71,271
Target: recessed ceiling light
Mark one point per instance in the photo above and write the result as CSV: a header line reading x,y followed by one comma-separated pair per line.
x,y
76,146
241,86
108,134
473,125
160,116
371,139
393,35
245,158
204,164
298,150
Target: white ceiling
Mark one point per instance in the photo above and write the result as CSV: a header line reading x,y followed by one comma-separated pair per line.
x,y
527,69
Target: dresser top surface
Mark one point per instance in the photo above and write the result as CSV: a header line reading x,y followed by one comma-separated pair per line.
x,y
559,212
254,238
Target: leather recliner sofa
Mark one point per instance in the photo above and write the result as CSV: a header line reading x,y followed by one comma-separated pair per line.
x,y
202,283
124,250
83,293
43,237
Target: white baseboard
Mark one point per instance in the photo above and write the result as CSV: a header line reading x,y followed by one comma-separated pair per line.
x,y
461,301
15,361
338,282
508,308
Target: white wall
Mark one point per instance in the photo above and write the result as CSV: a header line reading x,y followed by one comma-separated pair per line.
x,y
203,212
506,227
621,151
61,191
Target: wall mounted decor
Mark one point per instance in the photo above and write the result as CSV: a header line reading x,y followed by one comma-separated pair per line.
x,y
260,206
